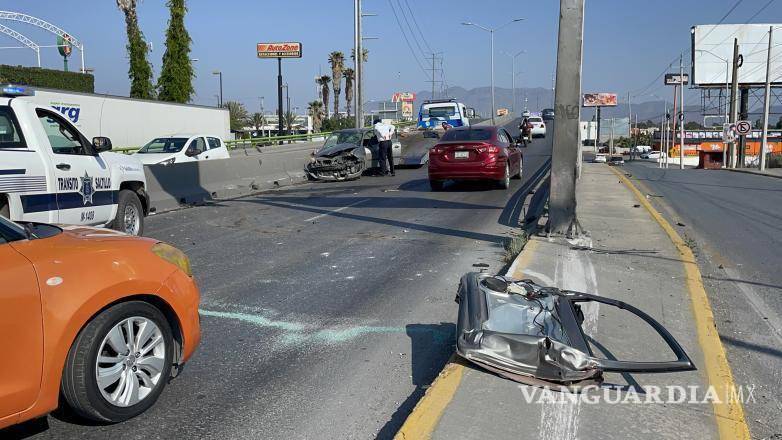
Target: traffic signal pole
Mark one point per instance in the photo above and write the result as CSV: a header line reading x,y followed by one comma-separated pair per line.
x,y
565,150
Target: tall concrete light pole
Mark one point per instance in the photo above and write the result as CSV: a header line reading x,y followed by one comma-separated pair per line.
x,y
567,114
358,61
766,102
513,77
220,74
492,31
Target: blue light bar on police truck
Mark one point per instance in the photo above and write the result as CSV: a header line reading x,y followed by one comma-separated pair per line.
x,y
14,90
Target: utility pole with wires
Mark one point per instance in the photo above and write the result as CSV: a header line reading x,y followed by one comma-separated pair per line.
x,y
630,122
767,103
733,96
681,117
436,57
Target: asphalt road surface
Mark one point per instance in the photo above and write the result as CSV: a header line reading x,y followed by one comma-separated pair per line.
x,y
733,222
327,308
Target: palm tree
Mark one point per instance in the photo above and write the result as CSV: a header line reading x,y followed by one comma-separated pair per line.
x,y
350,75
289,118
237,115
258,120
315,109
323,82
337,61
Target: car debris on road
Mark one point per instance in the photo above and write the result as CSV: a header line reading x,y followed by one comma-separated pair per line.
x,y
533,334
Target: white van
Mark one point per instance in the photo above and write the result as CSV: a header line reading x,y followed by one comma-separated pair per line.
x,y
179,148
51,173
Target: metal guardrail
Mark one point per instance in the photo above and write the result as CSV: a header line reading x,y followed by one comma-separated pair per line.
x,y
261,141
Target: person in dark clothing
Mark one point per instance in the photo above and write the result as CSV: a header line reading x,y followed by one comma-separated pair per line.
x,y
384,134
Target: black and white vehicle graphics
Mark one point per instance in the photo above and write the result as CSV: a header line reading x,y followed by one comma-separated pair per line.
x,y
49,172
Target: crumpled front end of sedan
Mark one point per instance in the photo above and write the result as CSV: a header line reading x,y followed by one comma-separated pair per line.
x,y
337,164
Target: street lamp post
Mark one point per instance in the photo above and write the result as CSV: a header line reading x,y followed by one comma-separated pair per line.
x,y
491,32
727,94
513,77
220,74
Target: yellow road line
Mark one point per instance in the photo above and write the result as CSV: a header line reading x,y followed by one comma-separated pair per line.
x,y
427,413
728,412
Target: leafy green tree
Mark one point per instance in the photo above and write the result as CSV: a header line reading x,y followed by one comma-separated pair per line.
x,y
779,123
176,76
238,115
139,70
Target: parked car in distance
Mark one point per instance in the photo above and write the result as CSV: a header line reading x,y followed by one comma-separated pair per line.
x,y
475,153
547,114
538,126
616,160
600,158
178,148
641,149
97,317
651,155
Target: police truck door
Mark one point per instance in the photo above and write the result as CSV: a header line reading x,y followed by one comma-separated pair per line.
x,y
82,178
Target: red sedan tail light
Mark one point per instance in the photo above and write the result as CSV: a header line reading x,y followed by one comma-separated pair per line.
x,y
436,150
487,148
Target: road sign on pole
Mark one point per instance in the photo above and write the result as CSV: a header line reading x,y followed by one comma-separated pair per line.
x,y
743,128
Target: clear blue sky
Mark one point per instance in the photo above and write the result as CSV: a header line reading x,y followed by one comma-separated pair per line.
x,y
627,42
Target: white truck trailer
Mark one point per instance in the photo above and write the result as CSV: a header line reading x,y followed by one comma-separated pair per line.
x,y
132,122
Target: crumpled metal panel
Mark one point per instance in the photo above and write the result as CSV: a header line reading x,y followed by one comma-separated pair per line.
x,y
533,334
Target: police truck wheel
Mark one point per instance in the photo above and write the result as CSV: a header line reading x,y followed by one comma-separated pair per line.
x,y
130,214
119,363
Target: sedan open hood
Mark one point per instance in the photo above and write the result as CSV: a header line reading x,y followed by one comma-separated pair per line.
x,y
532,334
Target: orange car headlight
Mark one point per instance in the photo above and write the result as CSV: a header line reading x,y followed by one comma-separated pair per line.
x,y
173,256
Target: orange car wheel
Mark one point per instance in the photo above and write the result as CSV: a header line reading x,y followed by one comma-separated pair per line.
x,y
119,363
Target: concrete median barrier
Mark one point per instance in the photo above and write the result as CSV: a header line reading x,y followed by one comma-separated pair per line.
x,y
192,183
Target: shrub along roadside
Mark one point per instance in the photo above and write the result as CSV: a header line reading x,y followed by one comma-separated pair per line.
x,y
48,78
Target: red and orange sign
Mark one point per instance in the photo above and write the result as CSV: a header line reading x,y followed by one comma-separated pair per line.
x,y
279,50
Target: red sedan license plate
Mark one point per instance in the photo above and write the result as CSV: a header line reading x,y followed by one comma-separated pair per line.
x,y
461,154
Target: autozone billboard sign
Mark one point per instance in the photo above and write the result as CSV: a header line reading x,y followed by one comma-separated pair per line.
x,y
279,50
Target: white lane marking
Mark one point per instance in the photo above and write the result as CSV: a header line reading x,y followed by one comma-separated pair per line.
x,y
325,214
574,271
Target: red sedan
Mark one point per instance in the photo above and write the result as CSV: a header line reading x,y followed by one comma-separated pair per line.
x,y
475,153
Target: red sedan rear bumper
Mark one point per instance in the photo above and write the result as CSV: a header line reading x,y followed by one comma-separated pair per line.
x,y
490,170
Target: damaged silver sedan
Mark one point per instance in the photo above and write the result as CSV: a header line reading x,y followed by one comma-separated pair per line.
x,y
533,334
347,154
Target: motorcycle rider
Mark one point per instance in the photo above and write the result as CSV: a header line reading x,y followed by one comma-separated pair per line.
x,y
525,127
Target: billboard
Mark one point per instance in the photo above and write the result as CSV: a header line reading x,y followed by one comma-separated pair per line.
x,y
600,100
403,97
279,50
712,54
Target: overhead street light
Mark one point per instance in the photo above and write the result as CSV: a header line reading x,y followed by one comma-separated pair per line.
x,y
513,76
492,31
220,74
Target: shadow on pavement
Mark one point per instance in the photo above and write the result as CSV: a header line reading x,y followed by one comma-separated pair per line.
x,y
396,223
431,345
752,347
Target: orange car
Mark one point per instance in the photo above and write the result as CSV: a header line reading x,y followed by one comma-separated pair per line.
x,y
99,317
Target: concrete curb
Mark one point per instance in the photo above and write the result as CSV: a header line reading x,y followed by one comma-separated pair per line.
x,y
729,412
424,418
757,173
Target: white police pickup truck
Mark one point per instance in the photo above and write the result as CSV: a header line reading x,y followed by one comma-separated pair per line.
x,y
50,173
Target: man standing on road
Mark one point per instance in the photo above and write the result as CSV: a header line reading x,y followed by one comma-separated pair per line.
x,y
384,133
